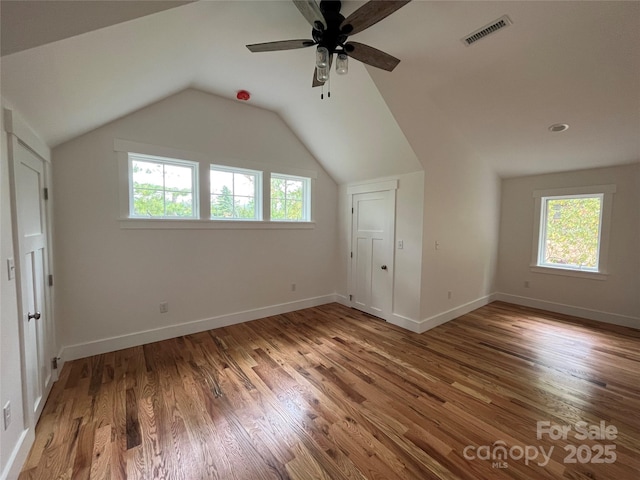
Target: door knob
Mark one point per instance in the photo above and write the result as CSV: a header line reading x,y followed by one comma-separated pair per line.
x,y
383,267
33,315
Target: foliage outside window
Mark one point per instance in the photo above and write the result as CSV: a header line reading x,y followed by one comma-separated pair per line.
x,y
570,232
162,187
235,193
289,198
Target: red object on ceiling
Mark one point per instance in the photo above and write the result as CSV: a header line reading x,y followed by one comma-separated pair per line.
x,y
243,95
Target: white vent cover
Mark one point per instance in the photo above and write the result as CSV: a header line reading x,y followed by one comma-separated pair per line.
x,y
493,27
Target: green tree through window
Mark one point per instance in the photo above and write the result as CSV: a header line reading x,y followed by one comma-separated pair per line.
x,y
572,231
288,198
162,190
233,194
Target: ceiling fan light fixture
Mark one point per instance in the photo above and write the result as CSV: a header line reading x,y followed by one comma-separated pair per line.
x,y
322,58
322,74
342,64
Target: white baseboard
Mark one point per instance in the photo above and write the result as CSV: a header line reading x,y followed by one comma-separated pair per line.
x,y
342,300
394,318
405,322
606,317
72,352
421,326
444,317
18,456
81,350
60,363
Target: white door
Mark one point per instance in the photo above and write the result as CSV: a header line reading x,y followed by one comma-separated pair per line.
x,y
373,219
32,258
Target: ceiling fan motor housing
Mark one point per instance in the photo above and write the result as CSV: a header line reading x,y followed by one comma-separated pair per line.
x,y
333,36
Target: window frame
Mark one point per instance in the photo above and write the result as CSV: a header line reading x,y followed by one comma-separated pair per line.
x,y
259,210
306,196
605,193
195,184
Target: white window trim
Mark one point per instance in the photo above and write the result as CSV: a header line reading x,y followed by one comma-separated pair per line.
x,y
306,195
606,192
165,161
205,222
190,224
258,197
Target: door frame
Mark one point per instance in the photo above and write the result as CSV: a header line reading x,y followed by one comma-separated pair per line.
x,y
372,187
20,135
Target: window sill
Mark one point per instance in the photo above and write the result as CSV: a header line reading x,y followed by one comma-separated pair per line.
x,y
569,273
188,224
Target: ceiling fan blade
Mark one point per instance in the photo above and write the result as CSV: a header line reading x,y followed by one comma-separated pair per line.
x,y
370,13
371,56
315,82
281,45
311,11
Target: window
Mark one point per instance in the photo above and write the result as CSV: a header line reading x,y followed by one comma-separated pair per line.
x,y
165,188
572,229
290,198
162,187
570,233
235,193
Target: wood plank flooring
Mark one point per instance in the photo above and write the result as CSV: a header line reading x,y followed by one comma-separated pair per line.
x,y
332,393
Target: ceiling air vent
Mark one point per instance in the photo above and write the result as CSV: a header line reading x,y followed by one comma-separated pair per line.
x,y
494,26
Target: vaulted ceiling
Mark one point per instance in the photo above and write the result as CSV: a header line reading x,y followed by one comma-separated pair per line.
x,y
560,62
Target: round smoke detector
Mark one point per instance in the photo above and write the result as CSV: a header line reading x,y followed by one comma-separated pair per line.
x,y
558,127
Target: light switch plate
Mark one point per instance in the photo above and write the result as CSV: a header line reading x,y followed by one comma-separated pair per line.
x,y
6,414
11,268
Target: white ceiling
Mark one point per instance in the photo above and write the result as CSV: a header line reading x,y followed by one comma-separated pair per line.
x,y
36,22
570,62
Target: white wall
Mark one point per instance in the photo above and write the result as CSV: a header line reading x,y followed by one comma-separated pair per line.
x,y
110,280
615,299
461,200
408,261
461,214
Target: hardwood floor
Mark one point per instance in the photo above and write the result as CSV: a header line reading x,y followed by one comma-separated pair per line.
x,y
331,393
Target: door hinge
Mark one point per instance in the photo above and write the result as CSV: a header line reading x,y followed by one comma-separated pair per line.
x,y
45,193
54,363
351,210
351,254
350,297
50,280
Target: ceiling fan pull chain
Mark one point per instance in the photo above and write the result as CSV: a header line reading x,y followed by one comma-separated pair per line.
x,y
322,93
329,88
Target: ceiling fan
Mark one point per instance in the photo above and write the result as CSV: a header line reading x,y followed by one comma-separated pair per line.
x,y
331,32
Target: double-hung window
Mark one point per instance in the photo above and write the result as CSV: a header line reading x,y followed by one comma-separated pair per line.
x,y
162,187
572,229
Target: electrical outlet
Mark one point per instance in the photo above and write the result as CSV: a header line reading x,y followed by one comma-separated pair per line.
x,y
164,307
6,414
400,244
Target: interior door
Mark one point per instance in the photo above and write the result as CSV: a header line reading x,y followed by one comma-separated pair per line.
x,y
32,262
373,222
